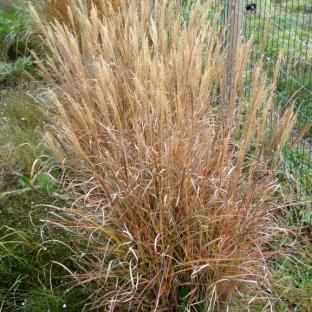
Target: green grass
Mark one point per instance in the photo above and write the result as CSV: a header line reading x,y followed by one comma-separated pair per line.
x,y
292,280
298,168
29,278
13,71
292,272
292,267
21,129
285,27
301,6
16,41
15,35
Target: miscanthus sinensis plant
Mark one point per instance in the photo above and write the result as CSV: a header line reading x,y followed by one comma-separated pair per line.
x,y
176,198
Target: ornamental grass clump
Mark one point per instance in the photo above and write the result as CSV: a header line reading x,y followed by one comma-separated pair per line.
x,y
174,172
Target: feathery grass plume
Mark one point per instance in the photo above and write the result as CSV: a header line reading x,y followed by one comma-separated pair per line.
x,y
176,210
58,9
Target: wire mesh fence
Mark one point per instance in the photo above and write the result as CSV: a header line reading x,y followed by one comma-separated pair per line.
x,y
280,26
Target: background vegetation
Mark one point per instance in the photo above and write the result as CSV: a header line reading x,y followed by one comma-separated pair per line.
x,y
285,26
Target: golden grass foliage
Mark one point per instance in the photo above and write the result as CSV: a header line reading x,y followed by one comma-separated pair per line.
x,y
178,195
58,9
